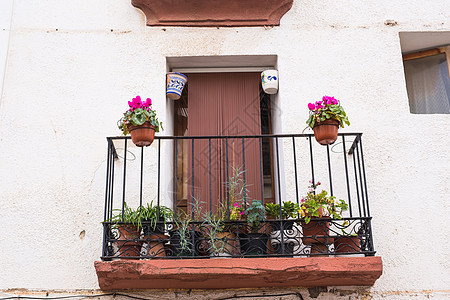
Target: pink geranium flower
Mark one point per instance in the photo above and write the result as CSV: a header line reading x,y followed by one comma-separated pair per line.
x,y
311,106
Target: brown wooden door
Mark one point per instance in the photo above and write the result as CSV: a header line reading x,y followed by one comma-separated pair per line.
x,y
223,104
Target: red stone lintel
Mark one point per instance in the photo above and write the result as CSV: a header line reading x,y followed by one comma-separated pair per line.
x,y
213,12
222,273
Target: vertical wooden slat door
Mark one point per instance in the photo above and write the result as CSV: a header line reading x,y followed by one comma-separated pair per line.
x,y
223,104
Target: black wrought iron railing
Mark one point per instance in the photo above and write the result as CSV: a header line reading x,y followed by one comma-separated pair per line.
x,y
171,200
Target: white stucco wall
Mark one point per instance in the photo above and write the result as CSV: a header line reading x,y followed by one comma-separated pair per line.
x,y
72,66
6,8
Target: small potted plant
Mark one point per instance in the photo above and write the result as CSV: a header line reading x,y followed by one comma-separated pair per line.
x,y
289,210
318,207
153,225
238,200
325,117
140,121
220,239
186,237
254,243
127,228
154,218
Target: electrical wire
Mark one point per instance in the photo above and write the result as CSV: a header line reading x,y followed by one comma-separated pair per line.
x,y
141,298
261,296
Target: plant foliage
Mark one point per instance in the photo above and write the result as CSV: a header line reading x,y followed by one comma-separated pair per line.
x,y
321,204
150,213
289,209
256,213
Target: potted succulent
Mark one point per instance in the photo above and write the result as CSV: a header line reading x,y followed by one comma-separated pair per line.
x,y
128,225
254,243
140,121
289,210
318,207
153,226
325,117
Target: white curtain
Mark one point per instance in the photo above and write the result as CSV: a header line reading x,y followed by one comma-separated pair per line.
x,y
428,85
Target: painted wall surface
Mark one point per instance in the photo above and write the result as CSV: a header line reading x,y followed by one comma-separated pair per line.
x,y
71,67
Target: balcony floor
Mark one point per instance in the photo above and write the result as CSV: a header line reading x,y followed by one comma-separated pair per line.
x,y
238,272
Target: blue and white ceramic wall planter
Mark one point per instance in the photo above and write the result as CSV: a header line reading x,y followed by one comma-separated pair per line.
x,y
175,85
269,80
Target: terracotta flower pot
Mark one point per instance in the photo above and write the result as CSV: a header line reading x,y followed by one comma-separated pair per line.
x,y
155,245
316,231
128,243
226,243
326,132
142,135
347,244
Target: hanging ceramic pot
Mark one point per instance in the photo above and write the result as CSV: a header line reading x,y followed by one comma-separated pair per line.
x,y
269,81
175,85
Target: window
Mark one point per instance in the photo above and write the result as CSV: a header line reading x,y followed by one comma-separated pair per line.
x,y
426,60
427,81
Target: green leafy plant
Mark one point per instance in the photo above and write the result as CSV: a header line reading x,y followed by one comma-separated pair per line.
x,y
129,215
149,213
321,204
139,113
328,108
256,213
289,209
273,210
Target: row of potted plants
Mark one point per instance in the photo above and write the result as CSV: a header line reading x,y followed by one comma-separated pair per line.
x,y
216,233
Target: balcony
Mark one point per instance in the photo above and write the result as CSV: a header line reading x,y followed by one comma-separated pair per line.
x,y
182,192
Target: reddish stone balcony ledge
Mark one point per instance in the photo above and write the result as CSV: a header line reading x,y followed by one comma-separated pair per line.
x,y
213,12
238,272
